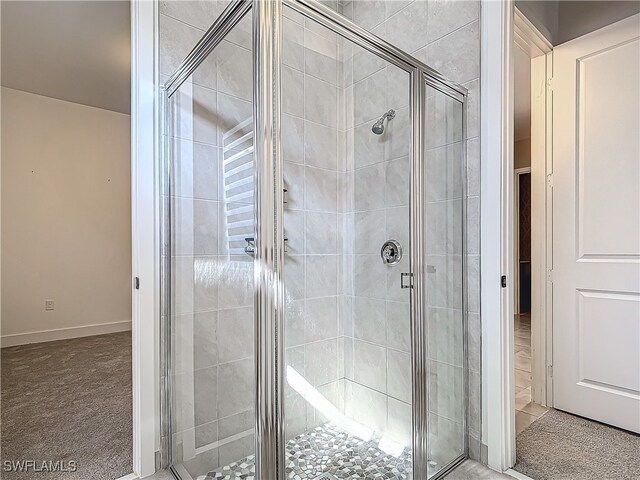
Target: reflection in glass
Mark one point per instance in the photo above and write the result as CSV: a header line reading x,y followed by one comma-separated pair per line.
x,y
212,215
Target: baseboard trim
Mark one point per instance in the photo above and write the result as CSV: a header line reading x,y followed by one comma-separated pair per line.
x,y
515,474
64,333
131,476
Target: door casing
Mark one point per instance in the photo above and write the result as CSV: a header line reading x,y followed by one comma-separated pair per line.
x,y
502,26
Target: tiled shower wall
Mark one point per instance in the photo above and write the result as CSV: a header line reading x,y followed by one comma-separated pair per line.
x,y
377,334
445,34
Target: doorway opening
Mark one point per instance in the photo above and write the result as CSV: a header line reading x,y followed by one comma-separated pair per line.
x,y
66,240
528,221
561,190
527,410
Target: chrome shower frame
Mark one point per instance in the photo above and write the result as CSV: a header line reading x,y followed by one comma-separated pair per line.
x,y
269,244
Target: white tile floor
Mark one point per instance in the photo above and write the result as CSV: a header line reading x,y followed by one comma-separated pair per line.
x,y
527,412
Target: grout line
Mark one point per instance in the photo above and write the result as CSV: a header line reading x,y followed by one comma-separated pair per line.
x,y
182,22
224,441
451,33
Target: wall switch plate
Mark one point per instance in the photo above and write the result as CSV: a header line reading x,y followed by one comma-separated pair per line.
x,y
48,305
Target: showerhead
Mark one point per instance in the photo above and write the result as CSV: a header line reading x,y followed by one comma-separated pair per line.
x,y
378,127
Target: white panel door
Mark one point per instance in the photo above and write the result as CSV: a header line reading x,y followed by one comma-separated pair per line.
x,y
596,225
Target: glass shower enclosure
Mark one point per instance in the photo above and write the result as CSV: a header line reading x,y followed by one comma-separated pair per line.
x,y
314,315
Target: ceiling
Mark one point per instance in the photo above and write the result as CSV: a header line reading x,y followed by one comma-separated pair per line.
x,y
522,95
561,21
78,51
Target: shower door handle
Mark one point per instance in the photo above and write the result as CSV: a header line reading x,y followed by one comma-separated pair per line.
x,y
406,280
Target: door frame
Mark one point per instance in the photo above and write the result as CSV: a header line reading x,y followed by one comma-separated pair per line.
x,y
502,25
145,228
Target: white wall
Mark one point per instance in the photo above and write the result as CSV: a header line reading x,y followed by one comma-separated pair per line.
x,y
522,153
66,219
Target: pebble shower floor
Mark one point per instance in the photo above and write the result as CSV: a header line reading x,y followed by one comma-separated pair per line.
x,y
326,453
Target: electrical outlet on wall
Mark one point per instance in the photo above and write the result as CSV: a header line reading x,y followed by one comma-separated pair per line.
x,y
48,305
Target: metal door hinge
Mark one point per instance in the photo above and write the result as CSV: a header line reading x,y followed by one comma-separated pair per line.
x,y
550,180
408,276
136,283
550,276
503,281
550,83
550,370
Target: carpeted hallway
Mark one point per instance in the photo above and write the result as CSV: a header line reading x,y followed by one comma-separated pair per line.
x,y
69,400
562,446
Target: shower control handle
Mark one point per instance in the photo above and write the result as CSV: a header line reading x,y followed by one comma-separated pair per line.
x,y
391,252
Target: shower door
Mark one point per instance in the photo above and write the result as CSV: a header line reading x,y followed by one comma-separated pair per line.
x,y
346,140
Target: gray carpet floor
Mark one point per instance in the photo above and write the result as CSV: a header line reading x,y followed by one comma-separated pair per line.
x,y
559,446
69,400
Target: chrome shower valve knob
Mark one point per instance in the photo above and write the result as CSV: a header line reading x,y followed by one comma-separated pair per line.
x,y
391,252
